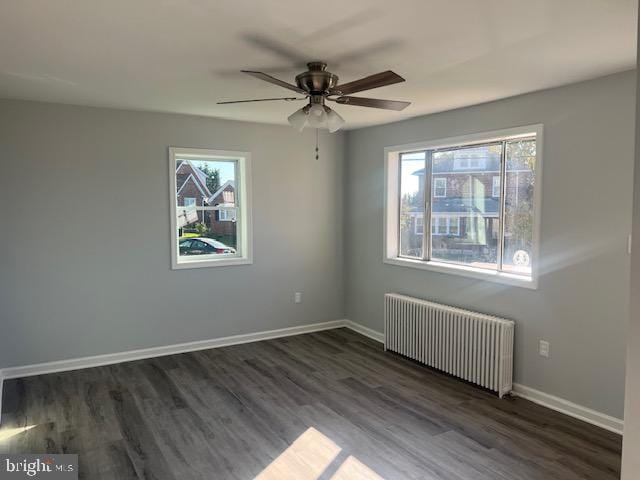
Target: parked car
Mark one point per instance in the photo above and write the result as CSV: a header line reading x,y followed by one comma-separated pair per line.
x,y
203,246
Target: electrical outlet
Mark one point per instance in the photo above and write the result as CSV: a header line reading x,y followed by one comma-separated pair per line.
x,y
297,297
544,348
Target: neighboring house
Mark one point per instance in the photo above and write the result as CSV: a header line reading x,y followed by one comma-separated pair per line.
x,y
223,221
191,187
466,195
192,193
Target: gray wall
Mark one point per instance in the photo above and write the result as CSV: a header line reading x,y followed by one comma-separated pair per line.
x,y
85,243
631,442
581,306
85,248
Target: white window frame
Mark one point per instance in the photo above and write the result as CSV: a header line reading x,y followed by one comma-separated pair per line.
x,y
243,183
495,186
436,180
392,206
184,202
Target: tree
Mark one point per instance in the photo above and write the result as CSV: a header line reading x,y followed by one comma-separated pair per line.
x,y
213,178
201,229
409,241
522,156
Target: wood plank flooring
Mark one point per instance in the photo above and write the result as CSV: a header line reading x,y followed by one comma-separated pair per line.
x,y
327,405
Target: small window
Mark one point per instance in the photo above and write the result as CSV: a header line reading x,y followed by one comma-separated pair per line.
x,y
445,226
210,205
468,159
495,187
419,225
454,226
227,215
440,187
486,224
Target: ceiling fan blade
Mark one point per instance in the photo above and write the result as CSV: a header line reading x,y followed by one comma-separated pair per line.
x,y
288,99
367,83
275,81
373,103
358,55
274,46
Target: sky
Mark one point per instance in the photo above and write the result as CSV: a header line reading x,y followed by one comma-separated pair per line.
x,y
411,163
226,168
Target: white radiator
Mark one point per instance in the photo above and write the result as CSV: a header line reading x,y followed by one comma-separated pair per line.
x,y
473,346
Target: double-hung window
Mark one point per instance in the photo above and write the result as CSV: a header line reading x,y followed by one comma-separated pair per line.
x,y
210,207
440,187
480,194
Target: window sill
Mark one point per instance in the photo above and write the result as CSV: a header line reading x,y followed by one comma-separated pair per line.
x,y
219,262
465,271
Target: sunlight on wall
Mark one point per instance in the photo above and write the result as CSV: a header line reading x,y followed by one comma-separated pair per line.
x,y
311,454
7,433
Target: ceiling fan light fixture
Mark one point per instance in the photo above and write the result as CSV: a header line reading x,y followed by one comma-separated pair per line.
x,y
317,110
334,121
317,118
299,119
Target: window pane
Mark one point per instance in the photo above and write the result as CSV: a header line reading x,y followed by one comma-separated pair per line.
x,y
412,171
518,220
206,206
464,221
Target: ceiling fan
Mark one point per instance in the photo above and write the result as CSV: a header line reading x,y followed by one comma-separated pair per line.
x,y
319,85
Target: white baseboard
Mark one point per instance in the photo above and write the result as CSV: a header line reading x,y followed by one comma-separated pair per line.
x,y
561,405
366,331
555,403
111,358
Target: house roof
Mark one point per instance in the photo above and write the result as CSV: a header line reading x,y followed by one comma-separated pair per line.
x,y
222,188
488,161
198,175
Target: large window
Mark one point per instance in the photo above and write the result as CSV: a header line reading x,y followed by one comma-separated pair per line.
x,y
210,208
479,194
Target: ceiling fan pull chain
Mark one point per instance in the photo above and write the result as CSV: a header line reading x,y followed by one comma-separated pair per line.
x,y
317,156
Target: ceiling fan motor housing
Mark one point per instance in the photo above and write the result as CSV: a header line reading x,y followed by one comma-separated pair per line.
x,y
317,81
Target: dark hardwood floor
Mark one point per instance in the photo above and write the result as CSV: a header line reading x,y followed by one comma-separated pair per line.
x,y
328,405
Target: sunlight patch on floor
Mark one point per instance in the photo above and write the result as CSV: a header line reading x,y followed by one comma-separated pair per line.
x,y
7,433
354,469
309,456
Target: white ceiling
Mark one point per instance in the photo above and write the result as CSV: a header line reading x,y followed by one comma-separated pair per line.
x,y
185,55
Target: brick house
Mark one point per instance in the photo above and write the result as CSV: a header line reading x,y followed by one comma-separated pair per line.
x,y
192,193
191,187
223,222
466,202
